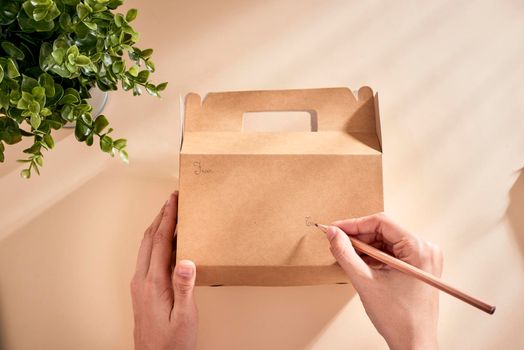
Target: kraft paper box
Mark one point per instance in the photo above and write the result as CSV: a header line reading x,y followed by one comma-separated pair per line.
x,y
247,199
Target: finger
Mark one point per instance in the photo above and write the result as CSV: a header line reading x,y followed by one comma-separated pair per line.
x,y
160,266
173,253
183,285
372,263
158,218
144,252
400,243
378,224
346,256
380,245
437,258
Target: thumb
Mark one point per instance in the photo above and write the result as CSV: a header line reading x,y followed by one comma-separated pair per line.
x,y
347,257
183,284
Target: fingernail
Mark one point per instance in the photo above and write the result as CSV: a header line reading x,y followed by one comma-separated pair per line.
x,y
331,232
184,269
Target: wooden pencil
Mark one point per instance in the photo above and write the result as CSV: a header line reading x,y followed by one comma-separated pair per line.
x,y
416,272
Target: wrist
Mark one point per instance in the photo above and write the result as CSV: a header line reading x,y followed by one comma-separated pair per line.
x,y
422,343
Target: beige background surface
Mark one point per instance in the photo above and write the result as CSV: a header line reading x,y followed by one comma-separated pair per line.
x,y
450,77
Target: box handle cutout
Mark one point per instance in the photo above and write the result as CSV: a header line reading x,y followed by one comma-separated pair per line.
x,y
335,109
280,121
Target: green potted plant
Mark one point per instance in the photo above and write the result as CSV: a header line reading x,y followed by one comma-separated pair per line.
x,y
52,53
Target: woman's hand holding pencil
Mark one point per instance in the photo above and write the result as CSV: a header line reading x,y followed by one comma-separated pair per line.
x,y
403,309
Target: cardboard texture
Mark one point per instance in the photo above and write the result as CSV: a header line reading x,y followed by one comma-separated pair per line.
x,y
247,199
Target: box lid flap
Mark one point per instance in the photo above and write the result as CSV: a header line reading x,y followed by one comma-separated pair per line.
x,y
337,109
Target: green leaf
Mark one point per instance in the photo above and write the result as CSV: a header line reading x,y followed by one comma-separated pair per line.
x,y
45,112
48,140
61,71
82,11
71,67
133,55
143,76
24,101
106,144
99,7
67,113
11,135
61,43
12,69
81,130
12,50
86,118
146,53
89,140
152,90
54,124
161,87
1,74
74,92
34,108
28,83
118,67
107,59
65,21
9,11
40,2
59,92
39,160
150,65
58,55
46,81
90,25
40,13
68,99
126,83
45,59
100,123
120,144
38,93
124,156
133,70
28,8
82,60
26,173
29,25
53,12
131,14
106,16
72,51
119,20
4,100
35,121
35,148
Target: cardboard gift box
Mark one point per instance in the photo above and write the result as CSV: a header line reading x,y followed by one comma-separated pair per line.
x,y
247,199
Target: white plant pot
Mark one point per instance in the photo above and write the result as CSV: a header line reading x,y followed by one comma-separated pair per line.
x,y
98,101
